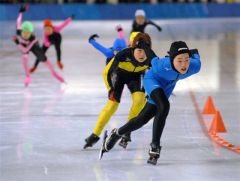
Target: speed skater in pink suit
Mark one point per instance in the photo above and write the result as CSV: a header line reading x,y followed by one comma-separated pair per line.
x,y
27,42
52,36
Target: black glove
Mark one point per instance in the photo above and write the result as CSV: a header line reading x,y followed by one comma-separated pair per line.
x,y
92,37
193,51
23,8
73,16
119,28
15,40
159,28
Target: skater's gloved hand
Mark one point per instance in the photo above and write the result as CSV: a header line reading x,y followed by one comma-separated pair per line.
x,y
193,51
15,40
119,28
92,37
159,28
73,16
23,8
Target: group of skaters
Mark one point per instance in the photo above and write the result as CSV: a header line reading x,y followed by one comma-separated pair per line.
x,y
27,42
131,62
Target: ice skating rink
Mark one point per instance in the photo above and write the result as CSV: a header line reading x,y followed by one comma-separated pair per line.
x,y
43,127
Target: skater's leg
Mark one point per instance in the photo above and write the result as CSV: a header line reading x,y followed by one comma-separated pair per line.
x,y
114,96
91,140
138,96
54,73
148,111
163,106
144,116
154,153
39,53
25,58
58,51
138,101
37,61
35,66
104,116
103,119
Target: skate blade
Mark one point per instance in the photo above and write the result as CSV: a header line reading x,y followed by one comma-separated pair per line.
x,y
87,146
152,161
102,150
124,145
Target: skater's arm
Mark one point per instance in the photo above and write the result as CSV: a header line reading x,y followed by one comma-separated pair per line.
x,y
134,26
22,9
149,22
15,40
106,51
120,32
28,48
63,25
19,21
121,35
195,62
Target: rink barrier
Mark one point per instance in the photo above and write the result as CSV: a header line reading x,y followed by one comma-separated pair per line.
x,y
121,11
219,127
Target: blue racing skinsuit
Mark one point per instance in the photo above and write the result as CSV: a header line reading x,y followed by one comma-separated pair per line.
x,y
162,75
159,83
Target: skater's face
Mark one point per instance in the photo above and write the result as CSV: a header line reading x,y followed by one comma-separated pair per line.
x,y
140,20
140,55
48,30
26,35
181,63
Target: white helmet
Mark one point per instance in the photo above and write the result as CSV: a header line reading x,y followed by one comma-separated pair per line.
x,y
140,12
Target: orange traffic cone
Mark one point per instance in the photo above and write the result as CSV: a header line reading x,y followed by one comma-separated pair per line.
x,y
209,107
217,125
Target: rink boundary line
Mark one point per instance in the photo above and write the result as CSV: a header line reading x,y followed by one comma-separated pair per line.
x,y
212,136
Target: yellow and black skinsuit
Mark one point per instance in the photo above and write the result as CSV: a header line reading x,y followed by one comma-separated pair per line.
x,y
122,70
